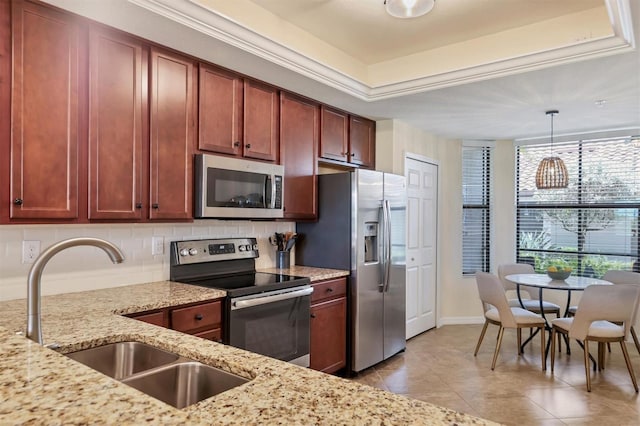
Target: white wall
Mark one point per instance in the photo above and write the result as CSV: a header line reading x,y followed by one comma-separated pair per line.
x,y
87,268
459,302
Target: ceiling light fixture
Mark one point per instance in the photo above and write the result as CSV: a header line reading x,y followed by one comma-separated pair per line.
x,y
552,173
408,8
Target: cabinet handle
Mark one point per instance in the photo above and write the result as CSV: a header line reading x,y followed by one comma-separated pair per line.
x,y
199,317
17,201
138,205
236,144
313,315
248,146
155,206
353,155
330,290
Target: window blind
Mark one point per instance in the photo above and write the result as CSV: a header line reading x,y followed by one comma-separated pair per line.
x,y
592,225
476,209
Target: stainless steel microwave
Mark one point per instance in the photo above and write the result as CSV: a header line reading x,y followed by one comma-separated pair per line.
x,y
235,188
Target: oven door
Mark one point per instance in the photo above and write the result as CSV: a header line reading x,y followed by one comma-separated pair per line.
x,y
275,324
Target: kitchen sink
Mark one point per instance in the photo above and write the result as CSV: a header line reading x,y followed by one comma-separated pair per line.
x,y
166,376
184,383
123,359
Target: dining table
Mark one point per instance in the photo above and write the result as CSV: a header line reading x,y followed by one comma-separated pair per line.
x,y
542,282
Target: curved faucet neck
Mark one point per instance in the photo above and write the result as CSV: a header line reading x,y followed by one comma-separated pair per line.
x,y
34,321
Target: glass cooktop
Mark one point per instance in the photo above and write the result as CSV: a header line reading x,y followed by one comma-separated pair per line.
x,y
251,283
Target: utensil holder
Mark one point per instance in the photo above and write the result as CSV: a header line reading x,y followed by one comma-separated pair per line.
x,y
282,259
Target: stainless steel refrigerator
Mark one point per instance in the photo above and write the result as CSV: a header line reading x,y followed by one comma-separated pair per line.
x,y
361,228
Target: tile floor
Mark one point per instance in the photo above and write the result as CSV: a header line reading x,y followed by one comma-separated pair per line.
x,y
439,367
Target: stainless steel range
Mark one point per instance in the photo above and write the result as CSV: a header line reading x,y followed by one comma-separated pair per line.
x,y
264,313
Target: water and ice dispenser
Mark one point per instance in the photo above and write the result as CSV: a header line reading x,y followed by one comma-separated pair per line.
x,y
370,242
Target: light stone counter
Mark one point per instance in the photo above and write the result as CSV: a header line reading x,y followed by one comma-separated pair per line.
x,y
41,386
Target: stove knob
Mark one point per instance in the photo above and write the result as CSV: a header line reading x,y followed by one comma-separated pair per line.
x,y
241,247
255,247
184,252
193,251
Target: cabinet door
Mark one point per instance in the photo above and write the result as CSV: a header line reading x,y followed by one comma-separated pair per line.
x,y
260,121
334,134
172,135
220,105
328,352
116,98
44,113
299,132
362,134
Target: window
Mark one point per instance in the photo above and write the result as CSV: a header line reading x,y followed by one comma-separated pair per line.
x,y
476,209
592,225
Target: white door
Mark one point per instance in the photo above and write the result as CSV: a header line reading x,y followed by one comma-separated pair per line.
x,y
422,215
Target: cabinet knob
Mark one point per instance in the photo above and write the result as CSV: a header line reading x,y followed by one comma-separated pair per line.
x,y
199,317
17,201
330,290
344,153
353,155
236,144
155,206
313,315
248,146
138,205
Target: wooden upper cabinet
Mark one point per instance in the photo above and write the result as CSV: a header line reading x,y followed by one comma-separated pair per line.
x,y
220,109
260,121
334,136
299,135
172,133
362,134
117,96
44,112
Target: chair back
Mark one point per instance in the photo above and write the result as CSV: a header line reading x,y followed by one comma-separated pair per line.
x,y
622,277
510,269
492,293
614,303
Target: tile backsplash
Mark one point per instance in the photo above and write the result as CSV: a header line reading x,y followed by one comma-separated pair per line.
x,y
88,268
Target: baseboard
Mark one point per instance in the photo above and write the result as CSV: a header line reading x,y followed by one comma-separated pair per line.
x,y
460,320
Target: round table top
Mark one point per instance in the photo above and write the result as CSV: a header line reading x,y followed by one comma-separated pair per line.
x,y
544,281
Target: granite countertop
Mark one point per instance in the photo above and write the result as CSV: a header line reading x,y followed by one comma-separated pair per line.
x,y
42,386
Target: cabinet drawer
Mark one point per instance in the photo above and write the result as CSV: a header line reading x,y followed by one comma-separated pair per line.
x,y
155,318
196,317
329,289
215,334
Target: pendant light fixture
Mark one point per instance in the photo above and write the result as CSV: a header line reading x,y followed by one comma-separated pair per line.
x,y
552,173
408,8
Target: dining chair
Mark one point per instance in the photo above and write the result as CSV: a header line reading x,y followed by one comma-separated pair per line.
x,y
604,315
621,277
498,312
533,302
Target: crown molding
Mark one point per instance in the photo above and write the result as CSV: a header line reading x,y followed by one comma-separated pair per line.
x,y
211,23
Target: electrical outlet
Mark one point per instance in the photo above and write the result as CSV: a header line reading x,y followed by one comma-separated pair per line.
x,y
30,250
157,245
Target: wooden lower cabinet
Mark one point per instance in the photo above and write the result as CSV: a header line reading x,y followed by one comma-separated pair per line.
x,y
329,326
202,319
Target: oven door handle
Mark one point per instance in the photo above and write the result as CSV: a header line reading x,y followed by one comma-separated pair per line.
x,y
241,304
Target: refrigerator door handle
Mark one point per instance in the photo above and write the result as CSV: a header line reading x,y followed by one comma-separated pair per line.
x,y
387,244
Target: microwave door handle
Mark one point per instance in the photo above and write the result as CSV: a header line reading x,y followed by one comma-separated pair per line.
x,y
272,202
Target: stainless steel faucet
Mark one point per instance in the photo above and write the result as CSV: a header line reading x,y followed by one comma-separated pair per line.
x,y
34,322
